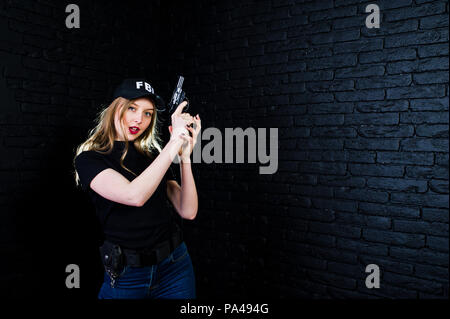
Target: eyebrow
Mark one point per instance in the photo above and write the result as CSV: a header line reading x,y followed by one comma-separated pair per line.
x,y
139,105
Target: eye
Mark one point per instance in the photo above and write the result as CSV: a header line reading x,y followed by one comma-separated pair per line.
x,y
149,114
130,107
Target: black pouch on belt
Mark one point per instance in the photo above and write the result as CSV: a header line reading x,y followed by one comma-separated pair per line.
x,y
113,260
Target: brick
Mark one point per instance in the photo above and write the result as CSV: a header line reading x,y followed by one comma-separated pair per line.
x,y
424,117
413,283
335,204
295,179
315,52
406,226
362,247
382,106
431,77
436,104
414,12
309,28
363,220
334,132
286,45
393,27
431,130
372,144
442,159
424,144
438,243
323,168
347,270
389,210
336,229
326,86
311,76
439,186
363,45
376,170
254,32
311,190
331,108
375,119
425,51
314,214
427,172
349,22
311,98
323,120
427,64
343,156
333,13
403,185
419,91
384,82
417,38
394,238
433,22
332,62
388,55
428,199
435,214
362,194
361,71
336,36
405,158
333,280
286,67
285,89
362,95
386,131
313,6
439,274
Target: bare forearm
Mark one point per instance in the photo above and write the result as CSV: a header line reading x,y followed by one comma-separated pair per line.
x,y
143,186
189,199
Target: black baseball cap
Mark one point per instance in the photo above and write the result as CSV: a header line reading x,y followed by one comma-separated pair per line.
x,y
136,88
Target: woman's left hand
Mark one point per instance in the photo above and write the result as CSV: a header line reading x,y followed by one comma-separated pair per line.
x,y
190,142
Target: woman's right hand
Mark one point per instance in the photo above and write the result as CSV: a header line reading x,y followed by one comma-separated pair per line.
x,y
179,122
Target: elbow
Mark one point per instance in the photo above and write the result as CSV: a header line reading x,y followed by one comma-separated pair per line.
x,y
136,203
135,200
190,214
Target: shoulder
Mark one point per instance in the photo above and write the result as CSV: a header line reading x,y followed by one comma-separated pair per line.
x,y
87,157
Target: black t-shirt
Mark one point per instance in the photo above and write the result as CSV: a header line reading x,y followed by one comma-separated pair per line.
x,y
128,226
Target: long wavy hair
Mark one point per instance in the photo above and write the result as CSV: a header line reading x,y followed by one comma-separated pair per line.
x,y
101,137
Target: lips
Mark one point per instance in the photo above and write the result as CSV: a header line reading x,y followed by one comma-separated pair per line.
x,y
133,129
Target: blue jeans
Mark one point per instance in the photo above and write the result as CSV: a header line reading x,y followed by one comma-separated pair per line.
x,y
172,278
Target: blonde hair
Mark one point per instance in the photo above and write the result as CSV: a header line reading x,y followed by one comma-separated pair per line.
x,y
101,137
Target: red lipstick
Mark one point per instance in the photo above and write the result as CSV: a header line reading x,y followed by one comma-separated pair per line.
x,y
133,129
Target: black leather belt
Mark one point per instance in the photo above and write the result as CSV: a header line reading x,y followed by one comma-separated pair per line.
x,y
148,257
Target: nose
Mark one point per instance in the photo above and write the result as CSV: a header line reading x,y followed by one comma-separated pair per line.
x,y
138,117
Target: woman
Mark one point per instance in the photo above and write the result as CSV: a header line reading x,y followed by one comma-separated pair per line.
x,y
130,181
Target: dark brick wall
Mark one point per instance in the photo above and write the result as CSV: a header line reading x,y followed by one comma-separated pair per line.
x,y
363,131
362,116
53,82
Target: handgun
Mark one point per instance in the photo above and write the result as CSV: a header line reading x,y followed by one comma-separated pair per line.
x,y
178,96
